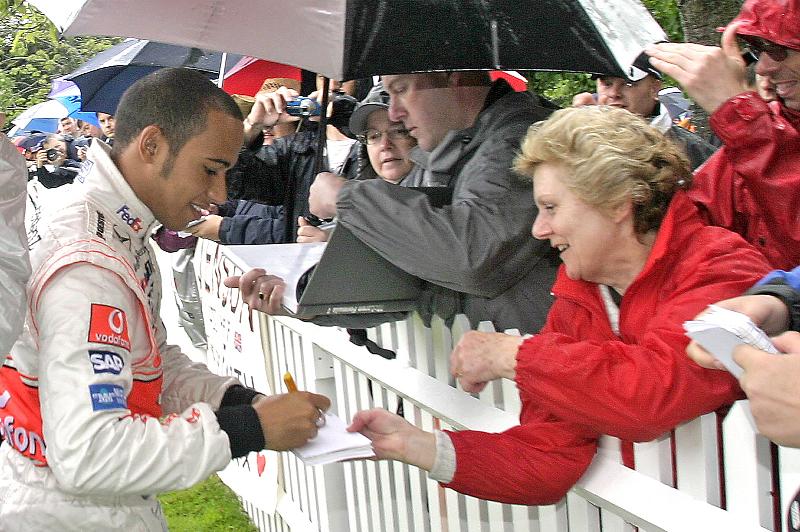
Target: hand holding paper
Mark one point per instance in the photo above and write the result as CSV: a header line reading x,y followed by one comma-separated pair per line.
x,y
719,331
333,443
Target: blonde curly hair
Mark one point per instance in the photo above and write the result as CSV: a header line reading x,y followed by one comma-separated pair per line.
x,y
613,156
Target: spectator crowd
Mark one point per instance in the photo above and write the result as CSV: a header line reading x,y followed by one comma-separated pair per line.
x,y
596,231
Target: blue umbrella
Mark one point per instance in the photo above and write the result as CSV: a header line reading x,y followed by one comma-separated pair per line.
x,y
41,117
104,78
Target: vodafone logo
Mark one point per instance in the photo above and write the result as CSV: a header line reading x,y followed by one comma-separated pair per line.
x,y
116,321
108,325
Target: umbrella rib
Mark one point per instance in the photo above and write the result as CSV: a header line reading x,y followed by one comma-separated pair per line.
x,y
495,44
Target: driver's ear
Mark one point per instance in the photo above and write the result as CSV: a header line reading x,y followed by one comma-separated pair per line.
x,y
150,142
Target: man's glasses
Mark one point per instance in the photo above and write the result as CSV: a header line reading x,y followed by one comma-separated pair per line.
x,y
757,46
373,136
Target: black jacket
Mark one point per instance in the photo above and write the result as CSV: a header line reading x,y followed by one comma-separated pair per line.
x,y
277,175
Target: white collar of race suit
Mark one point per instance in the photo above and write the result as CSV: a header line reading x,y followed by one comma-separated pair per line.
x,y
108,187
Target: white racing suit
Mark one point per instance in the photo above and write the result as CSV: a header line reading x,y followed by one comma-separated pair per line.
x,y
84,388
14,265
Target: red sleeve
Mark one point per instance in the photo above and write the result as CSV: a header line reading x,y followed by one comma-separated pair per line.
x,y
750,184
533,463
640,386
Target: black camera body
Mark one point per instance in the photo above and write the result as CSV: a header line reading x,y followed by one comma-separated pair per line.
x,y
51,153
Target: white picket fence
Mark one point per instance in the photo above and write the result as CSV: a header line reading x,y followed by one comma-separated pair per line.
x,y
680,482
388,496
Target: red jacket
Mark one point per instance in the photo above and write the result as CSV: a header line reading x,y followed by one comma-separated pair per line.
x,y
752,184
578,380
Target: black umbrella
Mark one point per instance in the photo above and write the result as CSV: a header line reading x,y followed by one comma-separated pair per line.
x,y
349,39
104,78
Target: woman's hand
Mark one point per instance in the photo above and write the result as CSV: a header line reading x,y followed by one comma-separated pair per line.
x,y
481,357
394,438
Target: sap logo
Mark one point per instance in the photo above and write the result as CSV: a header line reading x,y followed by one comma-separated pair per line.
x,y
107,397
108,325
106,362
134,223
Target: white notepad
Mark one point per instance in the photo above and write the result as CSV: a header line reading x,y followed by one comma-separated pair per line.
x,y
333,444
720,330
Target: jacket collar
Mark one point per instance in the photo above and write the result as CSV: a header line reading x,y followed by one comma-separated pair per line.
x,y
449,153
107,187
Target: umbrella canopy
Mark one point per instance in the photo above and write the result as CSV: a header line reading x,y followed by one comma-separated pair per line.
x,y
349,39
104,78
41,117
68,95
246,76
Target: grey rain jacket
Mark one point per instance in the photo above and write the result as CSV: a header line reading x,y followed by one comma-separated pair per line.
x,y
477,252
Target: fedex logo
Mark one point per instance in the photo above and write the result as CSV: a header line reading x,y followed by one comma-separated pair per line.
x,y
134,223
106,362
108,325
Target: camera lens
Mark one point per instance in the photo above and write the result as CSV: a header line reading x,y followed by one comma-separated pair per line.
x,y
52,154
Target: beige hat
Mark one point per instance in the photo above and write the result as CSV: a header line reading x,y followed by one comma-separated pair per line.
x,y
244,103
273,84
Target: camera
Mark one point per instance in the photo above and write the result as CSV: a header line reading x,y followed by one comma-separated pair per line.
x,y
302,106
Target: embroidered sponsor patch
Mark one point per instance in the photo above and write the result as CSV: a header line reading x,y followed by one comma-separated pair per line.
x,y
83,173
106,362
97,224
108,325
134,222
107,397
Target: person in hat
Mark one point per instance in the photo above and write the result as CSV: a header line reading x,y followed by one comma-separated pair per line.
x,y
271,182
750,185
639,94
386,147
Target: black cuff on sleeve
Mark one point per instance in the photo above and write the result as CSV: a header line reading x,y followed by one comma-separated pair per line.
x,y
238,395
788,295
243,428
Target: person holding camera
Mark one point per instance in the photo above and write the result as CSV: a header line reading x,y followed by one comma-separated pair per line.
x,y
53,169
284,170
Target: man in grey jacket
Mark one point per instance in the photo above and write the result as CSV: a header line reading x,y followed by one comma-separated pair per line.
x,y
476,253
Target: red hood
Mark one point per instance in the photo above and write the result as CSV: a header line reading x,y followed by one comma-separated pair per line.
x,y
774,20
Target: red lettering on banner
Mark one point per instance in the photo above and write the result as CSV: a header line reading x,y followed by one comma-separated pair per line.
x,y
109,325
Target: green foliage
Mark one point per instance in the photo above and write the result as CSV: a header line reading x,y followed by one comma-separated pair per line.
x,y
31,55
208,506
668,16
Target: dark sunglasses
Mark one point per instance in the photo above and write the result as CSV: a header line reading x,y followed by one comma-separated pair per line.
x,y
757,46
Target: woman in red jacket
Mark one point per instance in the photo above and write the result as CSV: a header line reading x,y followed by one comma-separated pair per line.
x,y
637,262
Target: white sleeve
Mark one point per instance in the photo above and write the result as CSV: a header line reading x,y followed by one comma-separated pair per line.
x,y
86,383
185,381
14,265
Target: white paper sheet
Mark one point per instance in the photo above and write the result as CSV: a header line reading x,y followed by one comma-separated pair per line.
x,y
333,444
287,261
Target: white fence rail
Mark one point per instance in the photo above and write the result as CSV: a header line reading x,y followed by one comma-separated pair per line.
x,y
680,483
